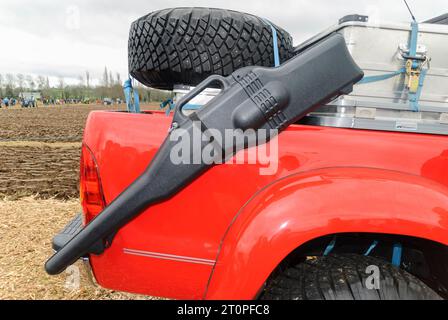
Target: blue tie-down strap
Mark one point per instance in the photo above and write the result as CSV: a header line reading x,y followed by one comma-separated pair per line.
x,y
192,106
170,105
381,77
413,44
274,43
330,247
397,251
131,96
414,39
414,98
370,249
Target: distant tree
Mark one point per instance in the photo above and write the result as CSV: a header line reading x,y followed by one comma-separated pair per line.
x,y
105,78
1,86
20,81
9,91
41,82
61,83
87,79
111,79
61,86
10,80
81,80
10,84
30,82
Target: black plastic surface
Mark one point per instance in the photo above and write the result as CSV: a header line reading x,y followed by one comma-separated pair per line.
x,y
69,231
353,18
442,19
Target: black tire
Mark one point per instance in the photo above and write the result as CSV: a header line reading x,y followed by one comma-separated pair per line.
x,y
186,45
343,277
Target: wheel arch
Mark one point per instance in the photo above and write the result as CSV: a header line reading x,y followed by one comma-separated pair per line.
x,y
306,206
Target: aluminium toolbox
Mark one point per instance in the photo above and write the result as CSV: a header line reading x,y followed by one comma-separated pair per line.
x,y
383,100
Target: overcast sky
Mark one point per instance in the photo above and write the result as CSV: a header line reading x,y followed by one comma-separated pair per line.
x,y
66,37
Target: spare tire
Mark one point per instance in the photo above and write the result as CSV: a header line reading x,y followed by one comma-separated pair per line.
x,y
186,45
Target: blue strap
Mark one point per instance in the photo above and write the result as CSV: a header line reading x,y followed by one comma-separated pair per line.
x,y
131,96
136,101
413,43
330,247
274,43
192,106
169,104
381,77
127,87
372,246
396,254
414,98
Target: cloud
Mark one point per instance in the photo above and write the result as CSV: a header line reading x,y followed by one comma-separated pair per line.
x,y
67,37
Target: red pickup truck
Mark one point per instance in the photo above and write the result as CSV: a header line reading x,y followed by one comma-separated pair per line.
x,y
232,229
353,211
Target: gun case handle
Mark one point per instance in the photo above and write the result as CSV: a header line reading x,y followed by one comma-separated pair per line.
x,y
207,83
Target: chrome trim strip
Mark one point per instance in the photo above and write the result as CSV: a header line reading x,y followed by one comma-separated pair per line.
x,y
166,256
370,124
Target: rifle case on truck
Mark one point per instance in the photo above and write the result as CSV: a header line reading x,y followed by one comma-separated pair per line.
x,y
251,98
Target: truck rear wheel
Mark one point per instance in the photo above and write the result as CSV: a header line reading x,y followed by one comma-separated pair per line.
x,y
344,277
186,45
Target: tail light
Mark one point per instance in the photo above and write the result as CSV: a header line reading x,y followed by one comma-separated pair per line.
x,y
91,192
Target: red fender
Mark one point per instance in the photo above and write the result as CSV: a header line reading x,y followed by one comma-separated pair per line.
x,y
305,206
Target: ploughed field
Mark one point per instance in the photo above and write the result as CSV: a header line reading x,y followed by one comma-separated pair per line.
x,y
39,168
46,124
40,149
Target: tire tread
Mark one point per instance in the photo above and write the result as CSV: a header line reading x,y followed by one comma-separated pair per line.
x,y
343,277
186,45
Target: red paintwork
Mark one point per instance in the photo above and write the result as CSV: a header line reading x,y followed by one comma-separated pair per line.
x,y
329,180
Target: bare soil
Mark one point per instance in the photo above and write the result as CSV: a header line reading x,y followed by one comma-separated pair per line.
x,y
40,149
48,124
45,170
